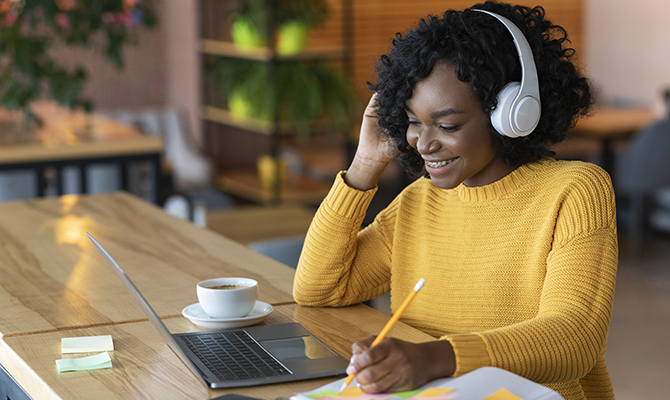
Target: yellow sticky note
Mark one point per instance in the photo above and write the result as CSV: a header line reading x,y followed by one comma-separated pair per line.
x,y
87,344
433,392
503,394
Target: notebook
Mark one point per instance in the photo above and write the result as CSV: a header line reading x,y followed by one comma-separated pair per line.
x,y
239,357
486,383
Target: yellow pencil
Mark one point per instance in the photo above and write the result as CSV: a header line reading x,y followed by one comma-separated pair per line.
x,y
389,325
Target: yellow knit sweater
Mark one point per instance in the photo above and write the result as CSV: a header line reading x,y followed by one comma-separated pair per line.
x,y
519,274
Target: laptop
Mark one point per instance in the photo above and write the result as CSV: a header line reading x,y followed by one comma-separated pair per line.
x,y
250,356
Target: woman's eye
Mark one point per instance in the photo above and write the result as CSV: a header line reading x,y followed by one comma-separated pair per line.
x,y
414,123
449,128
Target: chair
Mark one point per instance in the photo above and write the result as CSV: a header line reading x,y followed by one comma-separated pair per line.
x,y
17,185
642,169
189,167
190,171
285,250
9,388
660,215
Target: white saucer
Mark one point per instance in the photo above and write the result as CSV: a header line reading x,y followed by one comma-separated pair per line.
x,y
257,314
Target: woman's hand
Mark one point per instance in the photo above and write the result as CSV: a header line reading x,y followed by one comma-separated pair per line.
x,y
373,154
394,365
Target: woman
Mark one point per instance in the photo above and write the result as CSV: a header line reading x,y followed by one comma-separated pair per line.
x,y
519,251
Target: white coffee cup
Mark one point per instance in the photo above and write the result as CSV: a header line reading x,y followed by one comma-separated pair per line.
x,y
227,297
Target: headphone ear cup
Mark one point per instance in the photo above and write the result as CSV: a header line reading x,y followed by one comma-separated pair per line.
x,y
500,117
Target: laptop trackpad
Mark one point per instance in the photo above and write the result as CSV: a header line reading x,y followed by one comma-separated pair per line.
x,y
297,348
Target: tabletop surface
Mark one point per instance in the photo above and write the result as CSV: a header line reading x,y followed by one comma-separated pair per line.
x,y
143,366
55,284
53,278
611,122
68,134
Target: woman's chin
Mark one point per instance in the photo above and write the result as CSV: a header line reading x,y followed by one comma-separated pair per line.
x,y
442,183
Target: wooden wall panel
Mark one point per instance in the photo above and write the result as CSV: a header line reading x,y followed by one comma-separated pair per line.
x,y
375,22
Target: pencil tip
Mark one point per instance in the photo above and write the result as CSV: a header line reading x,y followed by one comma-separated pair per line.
x,y
344,386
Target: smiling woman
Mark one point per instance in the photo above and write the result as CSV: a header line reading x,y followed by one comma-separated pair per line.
x,y
451,132
519,250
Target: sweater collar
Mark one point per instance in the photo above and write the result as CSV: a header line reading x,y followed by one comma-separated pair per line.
x,y
500,188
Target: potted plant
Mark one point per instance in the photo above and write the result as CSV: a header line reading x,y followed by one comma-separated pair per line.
x,y
248,25
297,93
290,18
300,93
295,17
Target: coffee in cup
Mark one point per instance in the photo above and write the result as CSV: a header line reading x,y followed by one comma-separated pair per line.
x,y
227,287
227,297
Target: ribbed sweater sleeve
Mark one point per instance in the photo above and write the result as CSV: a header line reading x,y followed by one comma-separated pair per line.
x,y
331,270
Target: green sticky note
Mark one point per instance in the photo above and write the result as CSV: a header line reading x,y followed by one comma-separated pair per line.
x,y
87,344
97,361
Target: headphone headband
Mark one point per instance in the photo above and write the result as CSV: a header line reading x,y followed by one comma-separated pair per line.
x,y
518,115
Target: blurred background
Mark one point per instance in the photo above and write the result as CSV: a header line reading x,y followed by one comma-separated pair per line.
x,y
237,115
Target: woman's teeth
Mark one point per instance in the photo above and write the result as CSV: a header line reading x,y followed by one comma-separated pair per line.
x,y
439,163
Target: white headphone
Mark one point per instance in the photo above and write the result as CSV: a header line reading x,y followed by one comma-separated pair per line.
x,y
518,110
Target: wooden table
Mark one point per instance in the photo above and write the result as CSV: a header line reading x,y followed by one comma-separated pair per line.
x,y
55,284
250,223
144,367
608,124
74,138
53,278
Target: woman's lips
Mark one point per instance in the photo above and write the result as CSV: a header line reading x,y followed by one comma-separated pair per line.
x,y
439,164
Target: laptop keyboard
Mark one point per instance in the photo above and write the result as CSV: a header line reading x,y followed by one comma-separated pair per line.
x,y
233,356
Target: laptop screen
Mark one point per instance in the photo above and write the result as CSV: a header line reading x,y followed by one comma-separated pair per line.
x,y
305,347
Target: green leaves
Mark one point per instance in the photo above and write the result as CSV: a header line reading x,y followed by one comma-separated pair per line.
x,y
258,12
65,87
310,12
31,27
298,92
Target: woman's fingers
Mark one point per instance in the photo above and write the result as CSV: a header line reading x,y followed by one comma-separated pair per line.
x,y
390,366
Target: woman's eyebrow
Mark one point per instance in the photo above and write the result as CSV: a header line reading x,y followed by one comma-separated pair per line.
x,y
445,113
438,114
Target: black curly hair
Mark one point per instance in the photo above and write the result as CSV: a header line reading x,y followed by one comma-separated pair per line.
x,y
484,55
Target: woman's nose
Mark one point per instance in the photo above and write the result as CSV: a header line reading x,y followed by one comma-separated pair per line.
x,y
425,143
